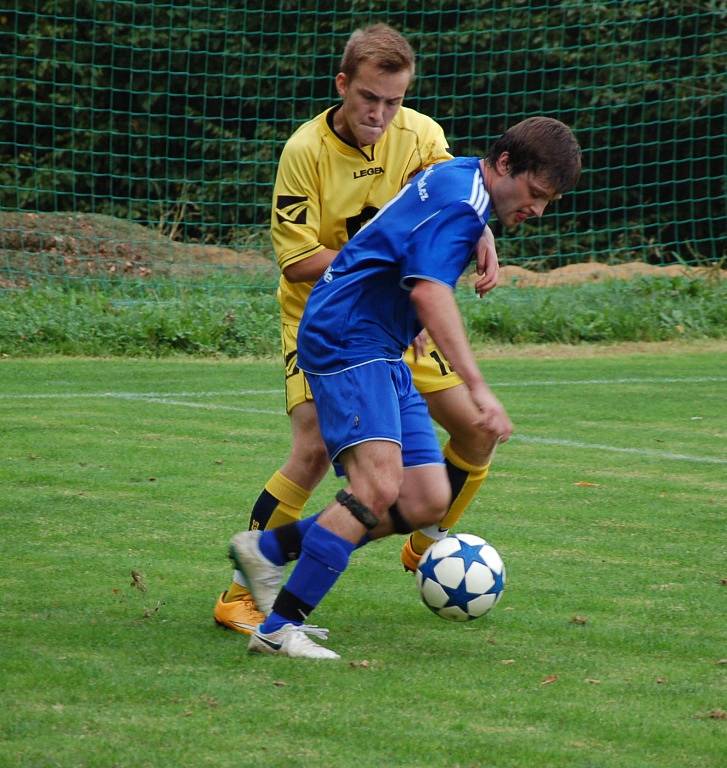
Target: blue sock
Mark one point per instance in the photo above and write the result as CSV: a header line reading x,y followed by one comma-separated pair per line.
x,y
323,559
281,545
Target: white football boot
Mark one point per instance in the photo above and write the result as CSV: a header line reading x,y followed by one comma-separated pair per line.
x,y
263,577
292,640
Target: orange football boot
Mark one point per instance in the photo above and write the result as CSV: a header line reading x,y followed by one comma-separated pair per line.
x,y
241,615
409,558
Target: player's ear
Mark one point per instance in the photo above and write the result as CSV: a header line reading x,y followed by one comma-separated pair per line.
x,y
502,164
341,84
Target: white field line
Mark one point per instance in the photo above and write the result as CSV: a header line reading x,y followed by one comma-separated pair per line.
x,y
611,382
279,391
204,406
138,395
171,399
650,452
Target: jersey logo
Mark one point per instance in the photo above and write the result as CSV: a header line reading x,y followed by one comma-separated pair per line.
x,y
422,185
291,364
368,172
291,208
270,643
354,223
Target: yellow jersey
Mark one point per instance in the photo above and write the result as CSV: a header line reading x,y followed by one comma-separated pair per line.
x,y
326,188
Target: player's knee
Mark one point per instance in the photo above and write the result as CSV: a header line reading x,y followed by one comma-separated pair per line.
x,y
385,495
310,457
472,443
438,502
379,493
316,459
429,508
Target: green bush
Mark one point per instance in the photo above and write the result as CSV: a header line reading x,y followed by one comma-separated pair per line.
x,y
644,309
174,115
122,322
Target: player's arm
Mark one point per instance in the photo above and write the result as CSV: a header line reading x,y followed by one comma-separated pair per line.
x,y
296,216
310,268
488,265
438,313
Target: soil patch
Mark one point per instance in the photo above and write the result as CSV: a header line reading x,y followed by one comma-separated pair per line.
x,y
488,351
75,245
39,245
591,272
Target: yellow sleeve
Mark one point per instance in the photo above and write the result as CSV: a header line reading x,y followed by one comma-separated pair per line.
x,y
296,213
434,147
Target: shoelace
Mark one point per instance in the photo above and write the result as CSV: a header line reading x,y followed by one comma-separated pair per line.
x,y
312,629
249,601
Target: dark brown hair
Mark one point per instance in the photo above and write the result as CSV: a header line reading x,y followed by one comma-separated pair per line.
x,y
545,147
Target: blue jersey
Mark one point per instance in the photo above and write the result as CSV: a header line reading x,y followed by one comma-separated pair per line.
x,y
360,310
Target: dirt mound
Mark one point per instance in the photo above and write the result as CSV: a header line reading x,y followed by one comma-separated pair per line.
x,y
590,272
77,245
42,245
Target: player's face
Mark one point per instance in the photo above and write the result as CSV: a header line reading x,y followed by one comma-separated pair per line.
x,y
371,98
516,198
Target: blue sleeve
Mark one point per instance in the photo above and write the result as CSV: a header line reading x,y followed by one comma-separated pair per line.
x,y
441,247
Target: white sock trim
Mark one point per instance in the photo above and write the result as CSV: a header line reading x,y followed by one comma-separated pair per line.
x,y
239,579
434,532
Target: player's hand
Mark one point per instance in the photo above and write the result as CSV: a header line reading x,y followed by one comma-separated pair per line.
x,y
492,415
488,265
420,344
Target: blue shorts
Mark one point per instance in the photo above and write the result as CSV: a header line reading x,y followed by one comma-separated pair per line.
x,y
375,401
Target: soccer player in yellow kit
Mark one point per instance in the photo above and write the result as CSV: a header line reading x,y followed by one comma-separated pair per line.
x,y
335,172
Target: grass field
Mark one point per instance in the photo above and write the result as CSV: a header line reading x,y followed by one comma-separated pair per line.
x,y
609,648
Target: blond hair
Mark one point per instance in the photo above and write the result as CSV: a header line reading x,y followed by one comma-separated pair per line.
x,y
383,46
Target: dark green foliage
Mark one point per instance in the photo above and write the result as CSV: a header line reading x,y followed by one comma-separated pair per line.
x,y
124,319
174,115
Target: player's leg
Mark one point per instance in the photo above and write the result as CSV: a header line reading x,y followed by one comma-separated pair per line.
x,y
468,452
325,549
375,475
286,492
366,436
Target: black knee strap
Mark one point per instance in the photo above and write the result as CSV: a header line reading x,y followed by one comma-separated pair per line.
x,y
398,521
360,511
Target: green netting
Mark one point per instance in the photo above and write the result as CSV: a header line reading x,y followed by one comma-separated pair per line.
x,y
140,138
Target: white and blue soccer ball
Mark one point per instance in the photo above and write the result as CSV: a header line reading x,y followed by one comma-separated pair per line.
x,y
460,577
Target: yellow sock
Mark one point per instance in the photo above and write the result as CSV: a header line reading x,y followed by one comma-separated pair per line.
x,y
291,500
235,592
281,502
466,480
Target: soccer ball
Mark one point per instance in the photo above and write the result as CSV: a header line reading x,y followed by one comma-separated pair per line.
x,y
460,577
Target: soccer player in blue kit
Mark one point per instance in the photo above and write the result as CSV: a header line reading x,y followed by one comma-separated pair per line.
x,y
394,277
